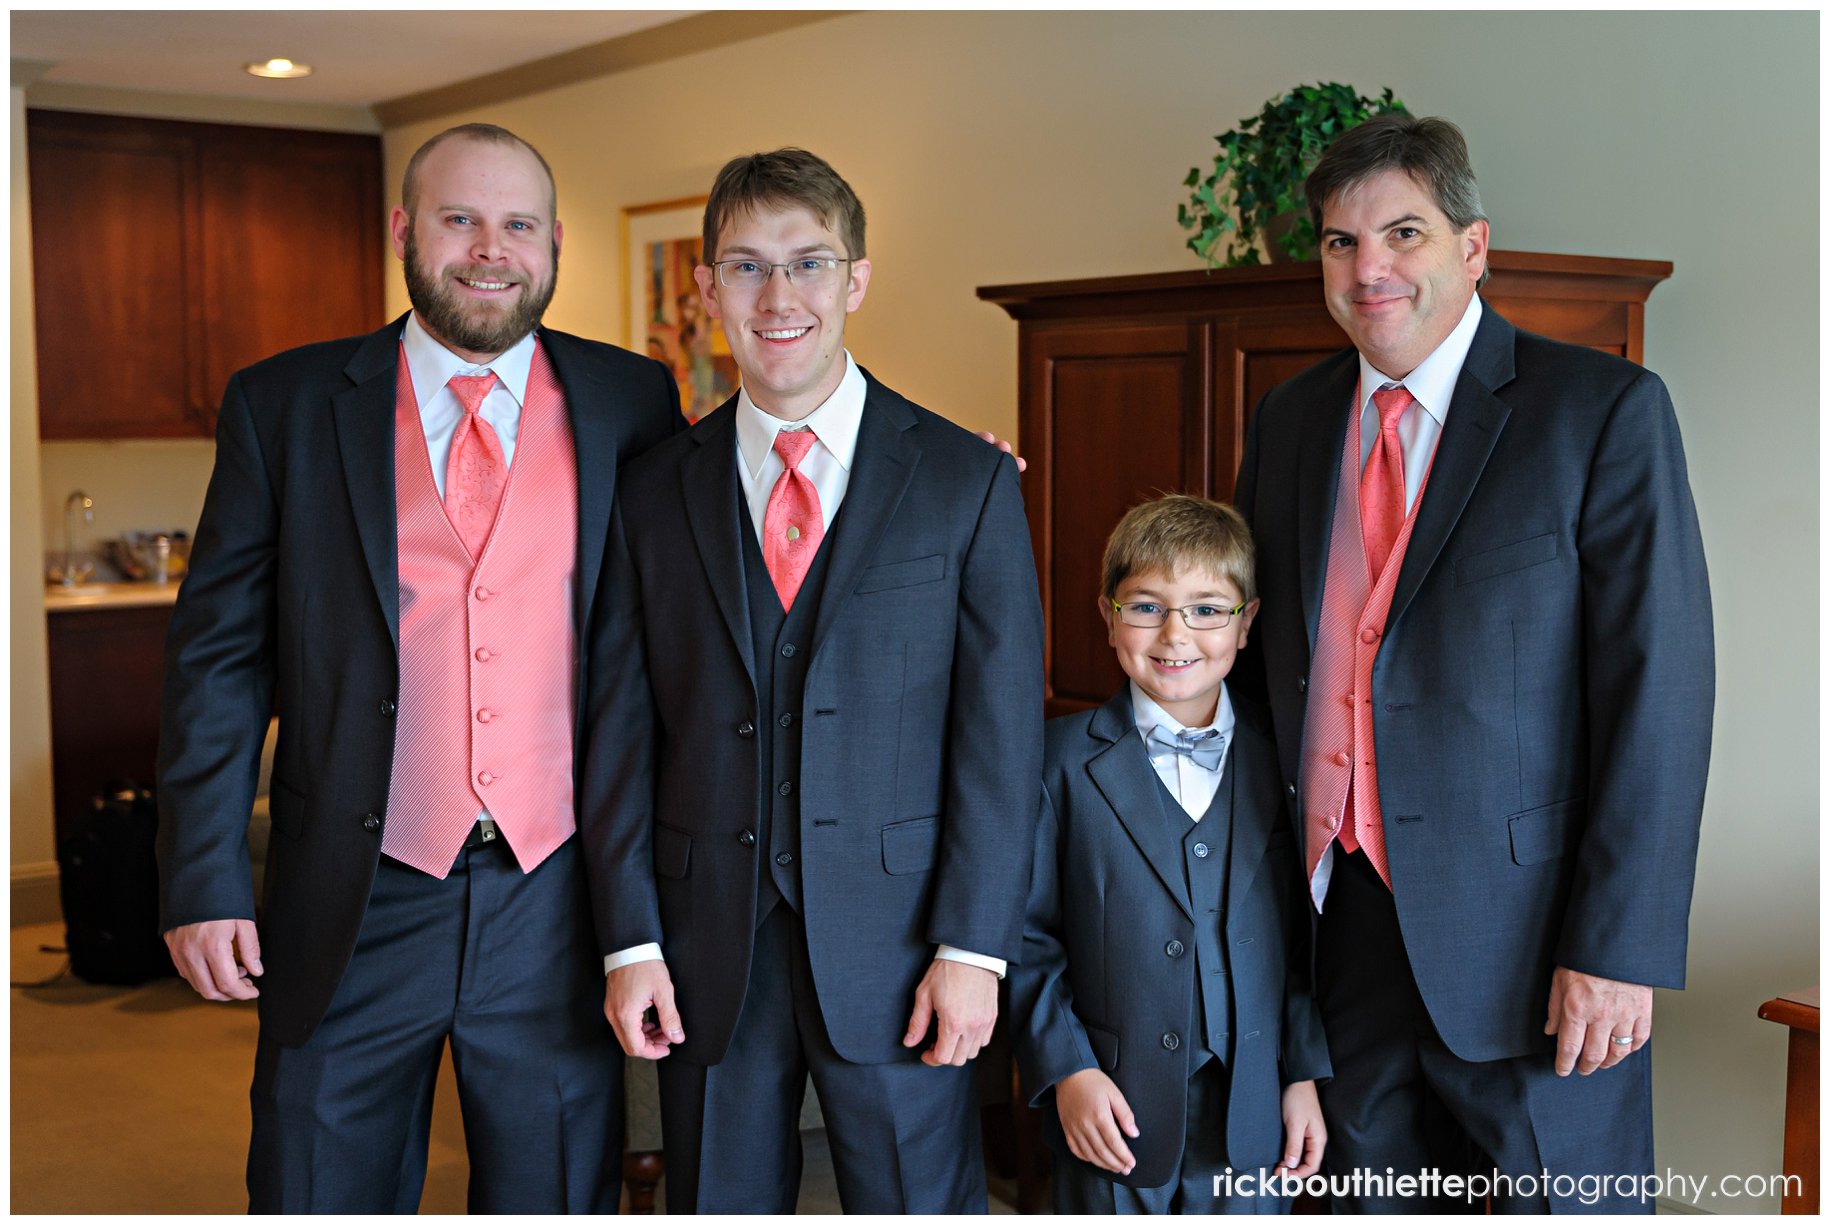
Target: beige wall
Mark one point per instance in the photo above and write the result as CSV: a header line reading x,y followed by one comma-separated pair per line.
x,y
994,148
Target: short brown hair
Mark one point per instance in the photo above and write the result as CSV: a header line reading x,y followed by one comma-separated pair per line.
x,y
1430,150
784,178
483,133
1176,532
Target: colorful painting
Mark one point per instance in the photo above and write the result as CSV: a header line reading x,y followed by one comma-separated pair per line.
x,y
667,321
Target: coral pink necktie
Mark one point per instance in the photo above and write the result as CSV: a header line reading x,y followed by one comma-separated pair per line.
x,y
792,524
477,469
1382,483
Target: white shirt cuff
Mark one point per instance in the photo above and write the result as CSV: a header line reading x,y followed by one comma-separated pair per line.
x,y
628,957
996,965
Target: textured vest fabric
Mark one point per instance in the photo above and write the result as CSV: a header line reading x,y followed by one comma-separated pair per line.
x,y
1338,750
781,647
488,650
1206,849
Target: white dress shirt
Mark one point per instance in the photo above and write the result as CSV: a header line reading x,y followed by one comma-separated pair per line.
x,y
1192,785
1432,385
828,465
431,365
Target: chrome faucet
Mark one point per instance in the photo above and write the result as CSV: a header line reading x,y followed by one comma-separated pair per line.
x,y
72,571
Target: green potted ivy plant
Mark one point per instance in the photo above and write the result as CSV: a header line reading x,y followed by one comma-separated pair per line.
x,y
1255,189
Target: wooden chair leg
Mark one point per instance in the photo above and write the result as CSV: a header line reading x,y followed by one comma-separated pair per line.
x,y
641,1171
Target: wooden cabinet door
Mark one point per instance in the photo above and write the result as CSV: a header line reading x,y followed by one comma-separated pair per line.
x,y
1111,415
115,283
106,670
292,245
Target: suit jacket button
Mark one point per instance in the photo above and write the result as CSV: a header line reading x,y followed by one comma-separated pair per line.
x,y
1171,1042
1302,684
1290,790
746,838
788,650
786,789
786,720
371,822
1200,850
784,859
387,708
1174,948
746,729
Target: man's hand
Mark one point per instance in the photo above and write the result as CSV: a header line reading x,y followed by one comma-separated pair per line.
x,y
1304,1135
629,993
964,999
1587,1013
220,958
1003,446
1093,1113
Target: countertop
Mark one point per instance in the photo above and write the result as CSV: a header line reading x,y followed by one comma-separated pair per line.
x,y
58,598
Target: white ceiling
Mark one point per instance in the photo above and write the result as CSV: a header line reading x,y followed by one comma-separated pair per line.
x,y
362,56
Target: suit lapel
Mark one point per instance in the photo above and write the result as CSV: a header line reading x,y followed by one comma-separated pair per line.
x,y
1325,423
708,487
881,470
363,418
1476,417
592,409
1252,774
1124,776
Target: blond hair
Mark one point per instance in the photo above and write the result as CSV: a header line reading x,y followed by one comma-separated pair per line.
x,y
1178,532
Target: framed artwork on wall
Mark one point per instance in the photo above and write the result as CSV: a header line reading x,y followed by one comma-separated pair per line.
x,y
666,320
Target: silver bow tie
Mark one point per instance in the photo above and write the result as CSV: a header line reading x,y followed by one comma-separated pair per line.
x,y
1206,749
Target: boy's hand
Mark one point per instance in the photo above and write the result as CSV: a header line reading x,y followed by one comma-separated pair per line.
x,y
1003,446
1093,1112
1304,1135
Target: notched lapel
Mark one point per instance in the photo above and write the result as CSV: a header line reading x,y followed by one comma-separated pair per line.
x,y
882,468
1123,774
591,408
1325,424
1476,418
708,487
1253,773
363,417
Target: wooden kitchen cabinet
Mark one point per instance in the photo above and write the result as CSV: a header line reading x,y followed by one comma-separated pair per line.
x,y
168,255
1133,386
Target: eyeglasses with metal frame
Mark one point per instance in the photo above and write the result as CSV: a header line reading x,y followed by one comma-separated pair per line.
x,y
1149,615
808,270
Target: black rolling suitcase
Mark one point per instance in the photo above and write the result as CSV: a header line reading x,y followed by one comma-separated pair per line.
x,y
109,880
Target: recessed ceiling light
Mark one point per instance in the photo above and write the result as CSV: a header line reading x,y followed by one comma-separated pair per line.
x,y
279,69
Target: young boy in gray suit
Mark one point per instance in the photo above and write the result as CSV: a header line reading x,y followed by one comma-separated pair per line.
x,y
1163,999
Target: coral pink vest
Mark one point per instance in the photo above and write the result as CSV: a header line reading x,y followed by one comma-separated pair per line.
x,y
488,651
1338,716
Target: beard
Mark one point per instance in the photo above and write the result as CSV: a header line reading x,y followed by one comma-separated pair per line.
x,y
474,327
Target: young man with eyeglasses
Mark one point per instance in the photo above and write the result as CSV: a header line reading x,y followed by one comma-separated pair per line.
x,y
1162,1000
821,737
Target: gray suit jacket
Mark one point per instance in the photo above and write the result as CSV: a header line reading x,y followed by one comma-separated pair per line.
x,y
1544,689
921,732
1095,987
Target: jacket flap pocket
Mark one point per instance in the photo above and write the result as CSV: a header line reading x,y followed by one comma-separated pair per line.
x,y
285,809
1507,558
1544,833
910,846
1105,1046
902,573
673,851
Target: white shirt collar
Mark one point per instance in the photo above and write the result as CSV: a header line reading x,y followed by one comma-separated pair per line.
x,y
1432,383
432,365
835,423
1147,714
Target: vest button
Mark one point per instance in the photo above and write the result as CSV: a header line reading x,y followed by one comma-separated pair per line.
x,y
482,593
371,821
1174,948
1171,1042
485,715
784,859
746,838
387,708
786,720
786,789
482,655
787,650
1200,850
485,778
1341,759
1369,636
746,729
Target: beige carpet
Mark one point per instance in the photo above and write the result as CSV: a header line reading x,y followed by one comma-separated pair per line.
x,y
135,1099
